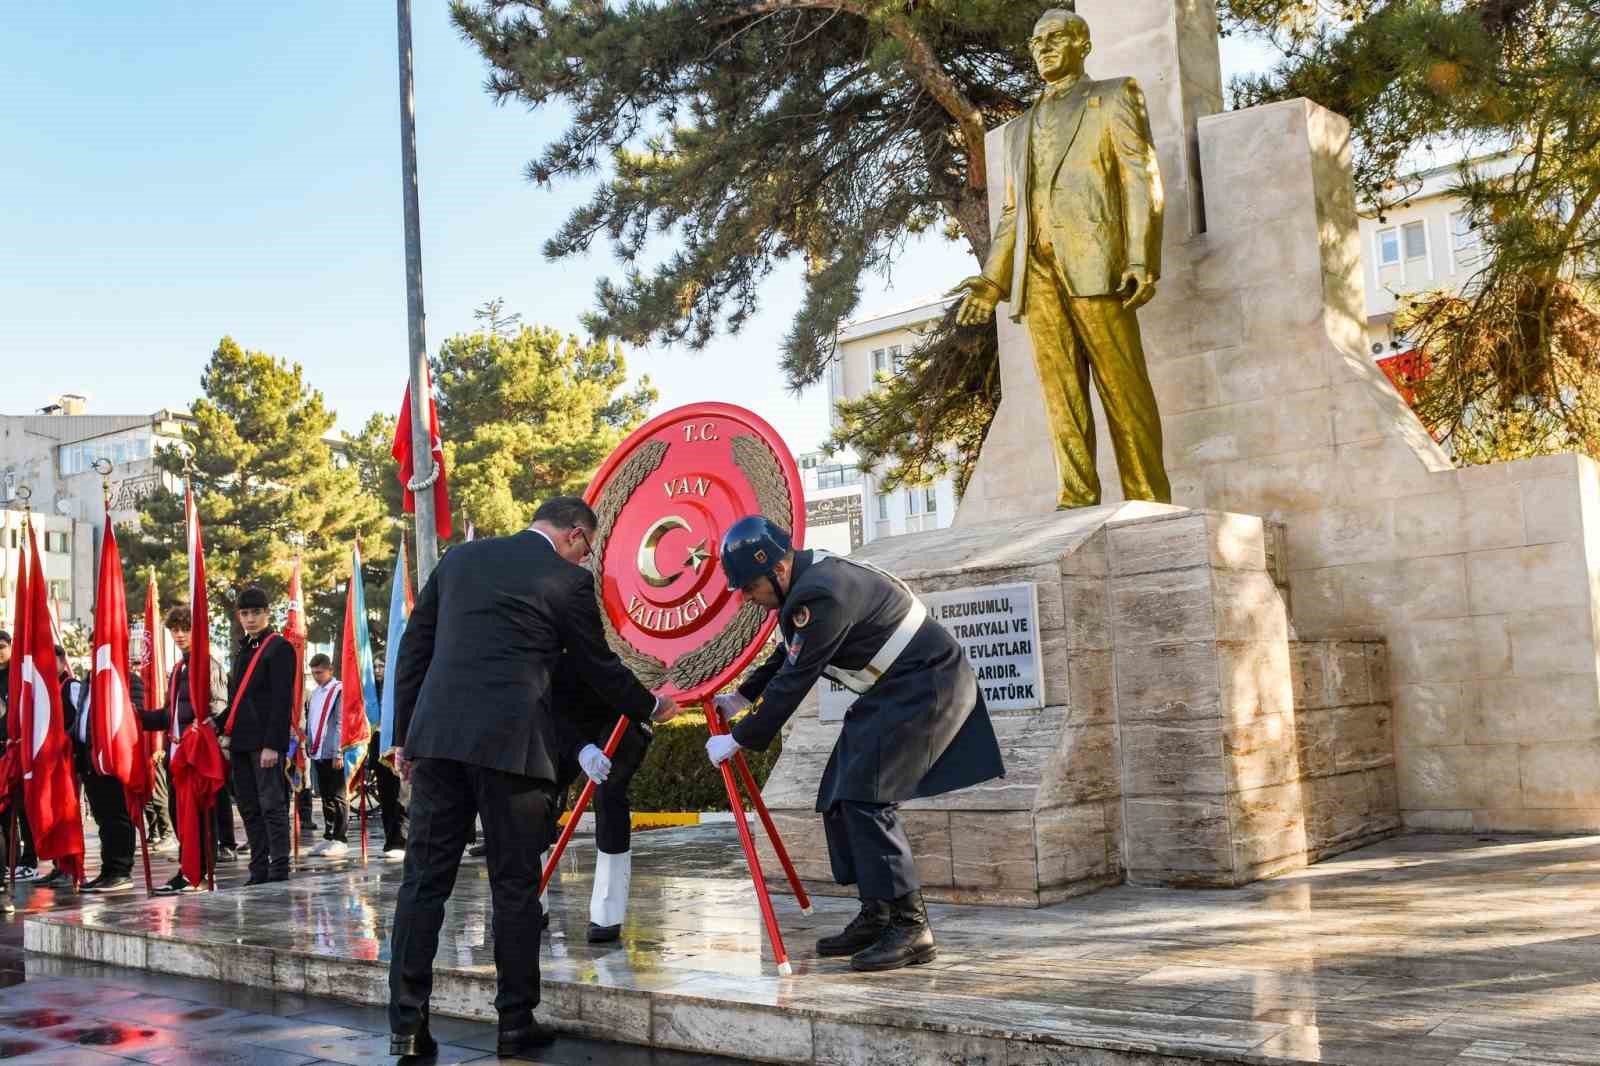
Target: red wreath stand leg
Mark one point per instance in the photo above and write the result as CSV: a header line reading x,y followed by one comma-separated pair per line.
x,y
768,915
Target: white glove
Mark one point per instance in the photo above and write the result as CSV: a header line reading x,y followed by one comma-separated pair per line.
x,y
721,748
594,763
729,704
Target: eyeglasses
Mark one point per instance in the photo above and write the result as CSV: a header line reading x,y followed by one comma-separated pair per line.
x,y
588,548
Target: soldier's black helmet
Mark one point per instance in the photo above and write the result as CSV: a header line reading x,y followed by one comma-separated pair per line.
x,y
751,547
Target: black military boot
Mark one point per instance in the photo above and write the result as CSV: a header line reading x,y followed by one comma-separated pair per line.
x,y
862,932
907,942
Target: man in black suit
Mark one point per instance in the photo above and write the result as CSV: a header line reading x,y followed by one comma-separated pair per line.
x,y
474,719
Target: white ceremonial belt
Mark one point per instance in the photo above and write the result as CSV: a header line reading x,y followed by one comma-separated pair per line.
x,y
859,681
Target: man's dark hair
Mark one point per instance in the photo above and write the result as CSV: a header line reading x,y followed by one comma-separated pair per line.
x,y
61,653
565,512
179,617
5,638
319,660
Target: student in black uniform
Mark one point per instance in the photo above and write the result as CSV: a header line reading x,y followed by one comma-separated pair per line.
x,y
918,727
581,733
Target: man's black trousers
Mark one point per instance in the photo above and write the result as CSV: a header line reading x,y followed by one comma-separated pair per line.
x,y
389,805
445,796
613,813
263,796
335,808
867,847
110,812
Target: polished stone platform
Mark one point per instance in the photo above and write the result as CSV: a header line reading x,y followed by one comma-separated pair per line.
x,y
1420,950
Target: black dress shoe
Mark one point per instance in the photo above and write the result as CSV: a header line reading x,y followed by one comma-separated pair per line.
x,y
477,851
907,942
414,1047
254,880
513,1042
108,884
58,879
604,934
862,932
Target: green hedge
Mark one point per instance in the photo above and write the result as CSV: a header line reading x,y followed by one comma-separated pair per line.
x,y
677,776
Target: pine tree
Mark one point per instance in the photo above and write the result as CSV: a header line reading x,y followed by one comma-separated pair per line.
x,y
528,415
262,469
1513,361
750,132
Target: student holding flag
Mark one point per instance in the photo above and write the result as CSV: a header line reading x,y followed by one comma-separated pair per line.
x,y
324,709
262,694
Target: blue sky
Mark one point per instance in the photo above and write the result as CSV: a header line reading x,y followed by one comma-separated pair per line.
x,y
172,172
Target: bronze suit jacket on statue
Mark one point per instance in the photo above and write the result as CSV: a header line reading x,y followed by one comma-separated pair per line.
x,y
1105,204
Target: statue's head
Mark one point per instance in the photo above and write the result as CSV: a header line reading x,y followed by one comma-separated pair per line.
x,y
1059,44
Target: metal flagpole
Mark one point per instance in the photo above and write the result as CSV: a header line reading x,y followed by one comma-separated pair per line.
x,y
421,425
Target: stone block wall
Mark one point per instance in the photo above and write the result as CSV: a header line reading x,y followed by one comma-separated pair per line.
x,y
1169,751
1344,731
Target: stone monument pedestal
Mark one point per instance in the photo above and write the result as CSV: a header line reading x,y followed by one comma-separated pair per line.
x,y
1166,751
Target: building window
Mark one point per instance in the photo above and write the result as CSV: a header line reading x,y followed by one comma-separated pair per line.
x,y
1388,247
60,543
897,358
128,446
58,591
913,502
883,527
931,498
1466,243
1416,240
883,507
880,362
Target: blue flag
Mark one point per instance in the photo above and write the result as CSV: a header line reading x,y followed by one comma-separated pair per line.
x,y
399,612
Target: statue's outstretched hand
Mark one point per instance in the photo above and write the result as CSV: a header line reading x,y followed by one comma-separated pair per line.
x,y
1137,289
977,307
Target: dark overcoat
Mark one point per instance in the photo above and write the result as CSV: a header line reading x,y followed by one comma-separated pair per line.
x,y
921,730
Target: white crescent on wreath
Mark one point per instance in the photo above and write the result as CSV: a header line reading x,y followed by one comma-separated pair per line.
x,y
761,467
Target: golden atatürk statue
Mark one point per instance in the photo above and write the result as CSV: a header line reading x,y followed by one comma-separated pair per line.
x,y
1076,253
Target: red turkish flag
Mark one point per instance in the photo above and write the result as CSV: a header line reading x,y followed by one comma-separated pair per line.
x,y
402,455
297,765
11,762
49,788
157,662
200,612
196,762
114,732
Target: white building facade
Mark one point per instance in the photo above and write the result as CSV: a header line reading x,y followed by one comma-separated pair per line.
x,y
872,350
50,455
1426,242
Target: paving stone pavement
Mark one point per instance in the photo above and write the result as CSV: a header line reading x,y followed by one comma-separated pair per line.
x,y
1422,950
61,1011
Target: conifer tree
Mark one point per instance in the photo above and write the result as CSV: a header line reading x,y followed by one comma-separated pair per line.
x,y
262,469
750,132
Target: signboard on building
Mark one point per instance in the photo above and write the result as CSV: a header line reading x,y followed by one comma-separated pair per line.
x,y
997,627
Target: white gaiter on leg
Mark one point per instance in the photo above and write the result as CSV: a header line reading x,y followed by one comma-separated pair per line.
x,y
612,875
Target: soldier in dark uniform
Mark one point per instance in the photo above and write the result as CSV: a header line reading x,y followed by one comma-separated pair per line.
x,y
582,731
918,727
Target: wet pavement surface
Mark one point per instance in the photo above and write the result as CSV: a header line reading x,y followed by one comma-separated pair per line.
x,y
1422,950
62,1011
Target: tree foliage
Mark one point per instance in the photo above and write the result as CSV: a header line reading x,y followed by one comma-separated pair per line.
x,y
747,133
262,470
526,415
1512,359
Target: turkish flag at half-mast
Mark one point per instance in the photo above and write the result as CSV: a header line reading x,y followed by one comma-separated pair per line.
x,y
199,611
402,455
49,788
114,747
